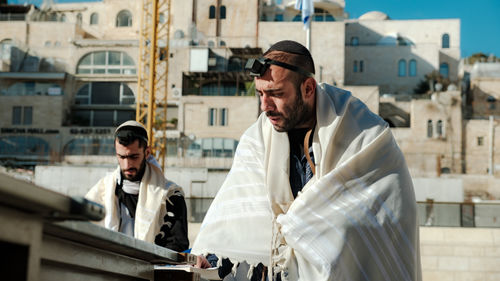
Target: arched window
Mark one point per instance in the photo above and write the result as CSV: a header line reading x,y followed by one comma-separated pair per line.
x,y
90,98
413,68
211,12
94,18
445,41
106,62
429,128
439,128
162,18
355,66
361,66
354,41
63,18
402,68
222,12
99,93
79,19
444,69
124,18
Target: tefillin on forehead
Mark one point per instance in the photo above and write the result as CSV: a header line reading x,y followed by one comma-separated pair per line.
x,y
258,67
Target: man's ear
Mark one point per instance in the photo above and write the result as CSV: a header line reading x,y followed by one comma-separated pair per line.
x,y
147,152
309,87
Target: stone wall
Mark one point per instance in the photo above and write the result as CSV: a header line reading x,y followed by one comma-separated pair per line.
x,y
460,254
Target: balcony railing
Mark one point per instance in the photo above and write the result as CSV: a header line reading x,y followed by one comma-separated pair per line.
x,y
12,17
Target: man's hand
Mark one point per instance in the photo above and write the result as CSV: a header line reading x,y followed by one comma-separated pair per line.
x,y
202,262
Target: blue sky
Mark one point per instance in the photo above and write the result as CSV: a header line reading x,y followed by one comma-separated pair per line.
x,y
480,19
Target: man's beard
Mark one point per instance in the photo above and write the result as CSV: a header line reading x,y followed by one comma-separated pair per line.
x,y
138,174
298,114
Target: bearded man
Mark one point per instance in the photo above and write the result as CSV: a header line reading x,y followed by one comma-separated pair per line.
x,y
139,200
319,189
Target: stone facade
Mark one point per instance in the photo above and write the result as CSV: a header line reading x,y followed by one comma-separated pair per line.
x,y
222,94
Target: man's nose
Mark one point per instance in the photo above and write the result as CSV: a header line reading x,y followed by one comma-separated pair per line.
x,y
127,162
266,104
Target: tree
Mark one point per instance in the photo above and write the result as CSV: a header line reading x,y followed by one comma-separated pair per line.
x,y
432,78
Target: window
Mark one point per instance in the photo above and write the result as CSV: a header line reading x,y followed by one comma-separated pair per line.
x,y
16,115
413,68
278,17
223,117
319,15
22,115
90,146
212,147
354,41
47,44
94,19
444,69
79,19
402,68
445,41
222,12
33,88
101,118
429,128
162,18
439,128
211,12
480,141
104,93
124,18
279,2
361,65
63,18
5,49
212,116
106,62
217,119
355,66
24,145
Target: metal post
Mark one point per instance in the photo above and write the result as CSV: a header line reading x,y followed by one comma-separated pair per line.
x,y
491,169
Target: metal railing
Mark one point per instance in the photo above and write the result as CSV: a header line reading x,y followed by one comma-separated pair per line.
x,y
449,214
457,214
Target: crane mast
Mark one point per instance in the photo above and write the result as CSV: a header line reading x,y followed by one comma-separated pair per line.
x,y
151,109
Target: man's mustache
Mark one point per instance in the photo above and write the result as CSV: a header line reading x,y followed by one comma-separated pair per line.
x,y
131,170
272,114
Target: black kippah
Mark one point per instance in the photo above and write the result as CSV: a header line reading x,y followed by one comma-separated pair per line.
x,y
290,46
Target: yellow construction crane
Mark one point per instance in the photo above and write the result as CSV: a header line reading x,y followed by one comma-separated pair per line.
x,y
151,107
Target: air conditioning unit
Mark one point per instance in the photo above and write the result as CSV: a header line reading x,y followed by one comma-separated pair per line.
x,y
176,92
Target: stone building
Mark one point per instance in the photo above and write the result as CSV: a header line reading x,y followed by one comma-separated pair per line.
x,y
69,76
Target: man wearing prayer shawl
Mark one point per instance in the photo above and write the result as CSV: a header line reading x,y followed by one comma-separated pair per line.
x,y
319,189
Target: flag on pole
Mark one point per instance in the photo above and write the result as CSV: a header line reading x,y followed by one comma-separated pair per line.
x,y
307,9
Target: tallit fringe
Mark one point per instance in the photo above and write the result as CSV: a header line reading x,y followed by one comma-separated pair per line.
x,y
250,271
235,265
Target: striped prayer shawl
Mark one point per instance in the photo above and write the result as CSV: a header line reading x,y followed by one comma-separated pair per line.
x,y
151,206
354,220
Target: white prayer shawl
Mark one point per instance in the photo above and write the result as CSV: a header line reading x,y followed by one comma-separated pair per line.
x,y
151,207
354,220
